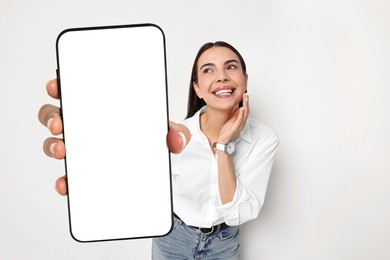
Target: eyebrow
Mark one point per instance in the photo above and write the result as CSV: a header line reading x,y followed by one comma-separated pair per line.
x,y
212,64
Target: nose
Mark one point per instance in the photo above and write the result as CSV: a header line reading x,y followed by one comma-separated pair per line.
x,y
222,76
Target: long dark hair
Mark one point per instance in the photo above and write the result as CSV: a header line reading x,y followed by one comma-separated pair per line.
x,y
194,102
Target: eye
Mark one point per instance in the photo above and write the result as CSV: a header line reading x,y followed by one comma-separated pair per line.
x,y
208,70
231,67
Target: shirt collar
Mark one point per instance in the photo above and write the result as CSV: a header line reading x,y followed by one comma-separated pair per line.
x,y
246,134
193,124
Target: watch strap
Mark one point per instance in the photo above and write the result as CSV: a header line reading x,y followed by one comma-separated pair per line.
x,y
220,147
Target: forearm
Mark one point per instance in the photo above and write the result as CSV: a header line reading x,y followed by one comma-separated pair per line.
x,y
227,183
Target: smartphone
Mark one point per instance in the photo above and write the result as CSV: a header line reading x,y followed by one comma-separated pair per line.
x,y
114,105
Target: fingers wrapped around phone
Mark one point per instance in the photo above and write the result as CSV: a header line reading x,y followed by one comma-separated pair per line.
x,y
61,186
49,116
54,147
52,88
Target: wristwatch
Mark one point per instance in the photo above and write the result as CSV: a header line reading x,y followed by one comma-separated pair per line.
x,y
228,148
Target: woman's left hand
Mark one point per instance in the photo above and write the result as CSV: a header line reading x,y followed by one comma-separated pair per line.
x,y
236,123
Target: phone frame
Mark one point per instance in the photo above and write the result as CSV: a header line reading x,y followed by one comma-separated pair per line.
x,y
166,181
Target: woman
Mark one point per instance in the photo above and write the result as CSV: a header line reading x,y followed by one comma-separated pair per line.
x,y
220,178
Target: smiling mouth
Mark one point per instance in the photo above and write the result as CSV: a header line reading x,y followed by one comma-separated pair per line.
x,y
224,92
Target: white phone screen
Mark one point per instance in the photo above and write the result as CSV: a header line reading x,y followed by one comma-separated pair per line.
x,y
113,94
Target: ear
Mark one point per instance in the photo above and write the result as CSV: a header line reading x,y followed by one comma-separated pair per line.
x,y
197,90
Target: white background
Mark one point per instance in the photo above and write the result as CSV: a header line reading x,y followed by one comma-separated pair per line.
x,y
318,75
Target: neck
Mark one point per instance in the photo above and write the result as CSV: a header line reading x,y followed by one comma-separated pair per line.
x,y
212,121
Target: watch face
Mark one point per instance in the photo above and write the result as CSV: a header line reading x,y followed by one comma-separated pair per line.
x,y
230,147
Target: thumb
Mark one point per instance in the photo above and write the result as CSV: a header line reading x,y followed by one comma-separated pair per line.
x,y
178,137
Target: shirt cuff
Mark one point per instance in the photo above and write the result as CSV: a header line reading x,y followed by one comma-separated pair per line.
x,y
230,211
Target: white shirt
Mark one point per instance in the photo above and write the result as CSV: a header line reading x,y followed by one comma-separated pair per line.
x,y
196,198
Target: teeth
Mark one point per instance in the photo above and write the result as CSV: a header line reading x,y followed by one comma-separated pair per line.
x,y
223,91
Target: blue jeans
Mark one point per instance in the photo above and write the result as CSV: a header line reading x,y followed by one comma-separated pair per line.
x,y
184,243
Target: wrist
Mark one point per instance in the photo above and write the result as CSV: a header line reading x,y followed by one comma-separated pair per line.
x,y
227,147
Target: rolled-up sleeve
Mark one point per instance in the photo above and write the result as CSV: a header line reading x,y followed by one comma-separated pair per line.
x,y
252,181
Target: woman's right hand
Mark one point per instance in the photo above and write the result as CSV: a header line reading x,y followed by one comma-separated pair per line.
x,y
49,116
177,137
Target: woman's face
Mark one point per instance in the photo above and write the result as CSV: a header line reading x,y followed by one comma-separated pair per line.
x,y
221,81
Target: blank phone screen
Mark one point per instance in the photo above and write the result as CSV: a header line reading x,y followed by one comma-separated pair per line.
x,y
113,95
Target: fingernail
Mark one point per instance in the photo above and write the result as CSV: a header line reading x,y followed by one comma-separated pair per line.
x,y
247,98
183,138
51,148
49,122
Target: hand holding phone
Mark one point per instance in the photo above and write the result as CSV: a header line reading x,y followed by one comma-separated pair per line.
x,y
112,83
